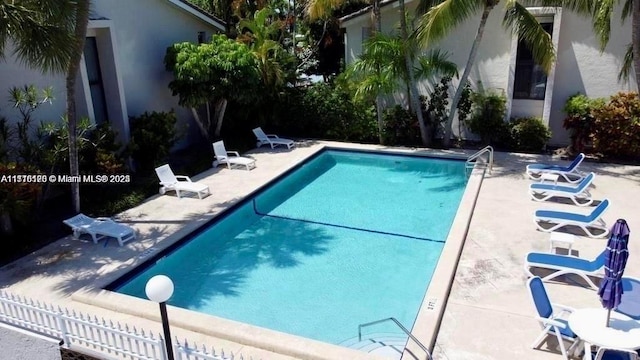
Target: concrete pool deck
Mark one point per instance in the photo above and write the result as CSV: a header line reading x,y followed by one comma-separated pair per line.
x,y
488,315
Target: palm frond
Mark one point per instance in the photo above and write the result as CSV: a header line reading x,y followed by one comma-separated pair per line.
x,y
525,25
424,6
602,21
321,9
626,10
42,32
440,19
627,64
435,62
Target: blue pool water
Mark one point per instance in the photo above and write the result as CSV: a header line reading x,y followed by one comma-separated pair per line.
x,y
314,255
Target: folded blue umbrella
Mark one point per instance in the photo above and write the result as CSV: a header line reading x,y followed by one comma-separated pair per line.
x,y
611,290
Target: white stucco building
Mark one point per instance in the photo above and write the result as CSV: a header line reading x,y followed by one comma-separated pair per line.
x,y
122,73
500,64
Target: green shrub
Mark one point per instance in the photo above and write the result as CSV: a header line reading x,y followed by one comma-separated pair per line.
x,y
152,136
324,111
529,134
487,117
400,127
434,110
17,197
580,120
616,130
104,156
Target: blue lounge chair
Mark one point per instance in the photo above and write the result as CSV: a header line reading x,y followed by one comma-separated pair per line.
x,y
579,194
630,302
569,173
566,264
551,317
562,219
611,354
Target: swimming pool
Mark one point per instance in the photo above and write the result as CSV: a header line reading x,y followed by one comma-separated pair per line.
x,y
345,239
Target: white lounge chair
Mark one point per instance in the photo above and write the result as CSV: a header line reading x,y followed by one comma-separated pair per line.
x,y
178,183
585,222
270,139
566,264
230,157
569,173
100,228
553,318
579,194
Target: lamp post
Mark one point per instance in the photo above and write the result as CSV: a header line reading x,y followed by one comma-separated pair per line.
x,y
159,289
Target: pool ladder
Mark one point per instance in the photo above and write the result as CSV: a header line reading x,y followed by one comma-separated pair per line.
x,y
472,160
404,329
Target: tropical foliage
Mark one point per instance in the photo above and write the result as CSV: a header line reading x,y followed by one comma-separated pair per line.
x,y
325,111
528,134
487,117
441,16
381,70
617,126
41,32
152,137
580,120
213,72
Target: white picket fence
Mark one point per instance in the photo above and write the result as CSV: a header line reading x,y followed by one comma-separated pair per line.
x,y
83,333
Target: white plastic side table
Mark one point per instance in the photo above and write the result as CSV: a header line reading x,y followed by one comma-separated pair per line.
x,y
558,237
550,177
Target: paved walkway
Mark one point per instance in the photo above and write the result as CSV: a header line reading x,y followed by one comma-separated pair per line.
x,y
489,314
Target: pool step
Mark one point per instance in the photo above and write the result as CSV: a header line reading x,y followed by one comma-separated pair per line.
x,y
390,345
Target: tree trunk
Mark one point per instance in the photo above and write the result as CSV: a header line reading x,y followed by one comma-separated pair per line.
x,y
377,19
221,107
204,128
379,111
635,40
80,31
465,75
414,99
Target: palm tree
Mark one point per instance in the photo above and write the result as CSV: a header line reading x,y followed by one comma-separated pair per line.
x,y
81,19
441,16
383,63
49,35
40,32
260,33
414,99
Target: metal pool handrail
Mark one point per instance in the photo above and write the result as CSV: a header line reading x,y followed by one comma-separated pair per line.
x,y
485,150
404,329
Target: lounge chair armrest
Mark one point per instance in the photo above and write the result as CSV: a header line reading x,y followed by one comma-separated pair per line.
x,y
234,153
273,136
183,178
105,219
563,308
551,322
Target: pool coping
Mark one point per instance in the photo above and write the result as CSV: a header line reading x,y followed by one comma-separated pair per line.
x,y
425,327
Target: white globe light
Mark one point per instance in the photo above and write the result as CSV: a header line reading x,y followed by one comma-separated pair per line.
x,y
159,288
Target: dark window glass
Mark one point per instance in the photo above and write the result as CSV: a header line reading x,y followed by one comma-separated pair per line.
x,y
94,75
530,80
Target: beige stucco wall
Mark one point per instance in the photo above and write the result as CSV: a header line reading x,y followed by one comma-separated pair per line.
x,y
580,67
